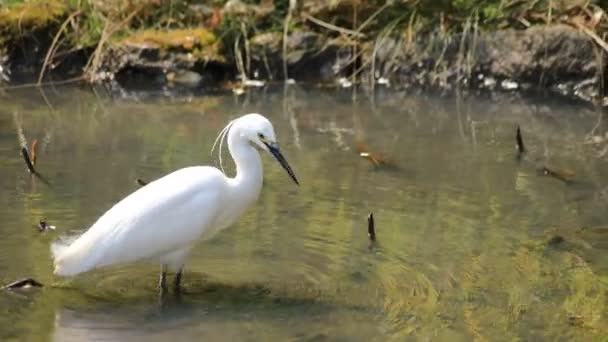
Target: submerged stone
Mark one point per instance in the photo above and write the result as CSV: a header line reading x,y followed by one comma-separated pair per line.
x,y
184,77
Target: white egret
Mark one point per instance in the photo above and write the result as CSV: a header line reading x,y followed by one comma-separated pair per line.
x,y
164,219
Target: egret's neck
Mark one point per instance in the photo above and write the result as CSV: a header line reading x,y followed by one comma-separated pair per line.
x,y
249,172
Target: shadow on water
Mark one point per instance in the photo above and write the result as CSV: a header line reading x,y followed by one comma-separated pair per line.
x,y
120,310
466,236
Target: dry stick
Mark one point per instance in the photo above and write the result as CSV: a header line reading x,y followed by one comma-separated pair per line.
x,y
264,58
461,52
46,100
439,59
247,53
598,40
473,47
352,60
107,32
379,39
355,45
53,83
371,17
285,29
53,48
602,67
94,59
239,59
372,77
387,31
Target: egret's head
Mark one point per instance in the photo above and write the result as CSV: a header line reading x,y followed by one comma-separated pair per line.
x,y
259,131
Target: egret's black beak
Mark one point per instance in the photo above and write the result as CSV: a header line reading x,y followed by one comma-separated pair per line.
x,y
274,149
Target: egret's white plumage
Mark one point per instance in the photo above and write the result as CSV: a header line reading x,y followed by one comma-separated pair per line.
x,y
162,220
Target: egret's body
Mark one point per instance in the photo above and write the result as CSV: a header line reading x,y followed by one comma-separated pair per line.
x,y
164,219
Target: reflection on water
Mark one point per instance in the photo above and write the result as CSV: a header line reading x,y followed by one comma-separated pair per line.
x,y
472,244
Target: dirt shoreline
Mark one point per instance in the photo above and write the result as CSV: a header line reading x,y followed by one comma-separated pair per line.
x,y
558,59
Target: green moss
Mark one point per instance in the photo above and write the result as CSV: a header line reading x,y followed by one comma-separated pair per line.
x,y
199,42
18,16
187,39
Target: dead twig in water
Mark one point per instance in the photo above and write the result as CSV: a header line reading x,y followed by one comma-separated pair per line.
x,y
565,176
378,160
521,149
43,226
34,148
30,166
22,284
28,161
371,229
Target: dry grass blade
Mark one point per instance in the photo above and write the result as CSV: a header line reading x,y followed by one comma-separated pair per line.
x,y
374,15
333,27
108,31
597,39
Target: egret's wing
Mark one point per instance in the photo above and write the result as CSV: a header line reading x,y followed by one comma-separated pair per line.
x,y
167,214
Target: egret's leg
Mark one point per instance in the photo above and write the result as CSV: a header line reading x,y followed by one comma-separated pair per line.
x,y
162,282
178,280
174,262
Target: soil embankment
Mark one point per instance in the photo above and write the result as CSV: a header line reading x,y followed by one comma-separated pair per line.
x,y
234,43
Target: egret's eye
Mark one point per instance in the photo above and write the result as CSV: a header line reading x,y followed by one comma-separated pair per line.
x,y
261,136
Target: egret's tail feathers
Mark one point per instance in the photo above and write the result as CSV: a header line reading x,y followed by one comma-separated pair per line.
x,y
70,258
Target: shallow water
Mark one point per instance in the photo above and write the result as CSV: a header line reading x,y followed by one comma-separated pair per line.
x,y
463,228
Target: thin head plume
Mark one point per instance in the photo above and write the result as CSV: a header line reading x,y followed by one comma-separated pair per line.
x,y
220,138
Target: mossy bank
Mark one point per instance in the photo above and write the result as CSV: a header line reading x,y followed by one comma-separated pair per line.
x,y
557,46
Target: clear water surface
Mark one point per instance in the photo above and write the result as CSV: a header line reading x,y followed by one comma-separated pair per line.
x,y
472,244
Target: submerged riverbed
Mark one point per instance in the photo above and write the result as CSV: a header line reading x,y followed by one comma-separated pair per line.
x,y
471,243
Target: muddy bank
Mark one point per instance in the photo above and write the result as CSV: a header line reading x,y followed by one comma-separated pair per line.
x,y
555,58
